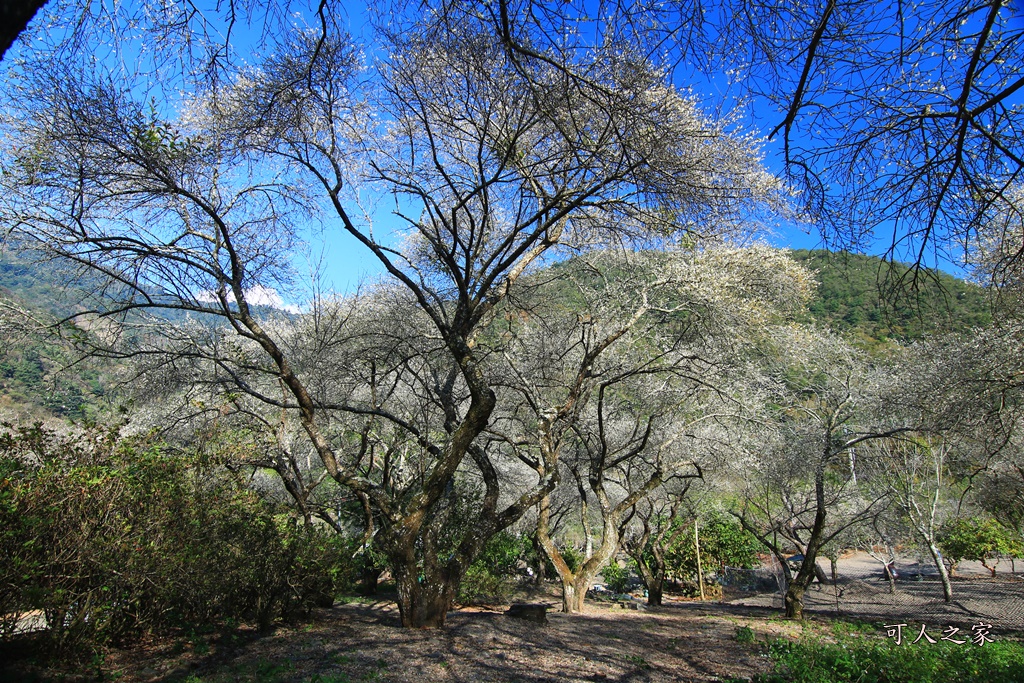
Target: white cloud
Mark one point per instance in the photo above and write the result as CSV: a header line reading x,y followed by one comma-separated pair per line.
x,y
257,296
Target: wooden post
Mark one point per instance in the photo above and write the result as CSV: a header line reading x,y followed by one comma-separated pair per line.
x,y
835,583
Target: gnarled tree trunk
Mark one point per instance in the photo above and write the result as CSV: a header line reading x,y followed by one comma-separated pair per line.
x,y
794,598
424,600
653,576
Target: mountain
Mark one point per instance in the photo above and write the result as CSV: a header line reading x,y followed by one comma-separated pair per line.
x,y
877,301
40,375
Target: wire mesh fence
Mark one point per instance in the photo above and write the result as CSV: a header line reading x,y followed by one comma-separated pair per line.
x,y
916,596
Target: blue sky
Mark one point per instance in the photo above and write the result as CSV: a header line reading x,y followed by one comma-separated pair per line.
x,y
344,263
340,263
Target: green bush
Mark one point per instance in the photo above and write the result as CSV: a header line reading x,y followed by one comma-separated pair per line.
x,y
573,557
979,540
491,578
668,561
482,587
723,543
882,661
503,552
691,589
616,577
113,538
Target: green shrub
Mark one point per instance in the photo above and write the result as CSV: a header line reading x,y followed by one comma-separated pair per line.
x,y
616,577
979,540
691,589
723,542
491,578
113,538
573,557
482,587
745,634
503,552
882,661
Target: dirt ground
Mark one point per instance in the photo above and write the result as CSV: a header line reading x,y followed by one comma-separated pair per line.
x,y
681,641
364,642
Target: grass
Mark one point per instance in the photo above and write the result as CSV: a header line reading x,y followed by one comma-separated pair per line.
x,y
357,599
856,656
637,661
745,634
261,671
854,627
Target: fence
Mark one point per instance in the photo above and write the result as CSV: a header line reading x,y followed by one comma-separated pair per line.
x,y
862,591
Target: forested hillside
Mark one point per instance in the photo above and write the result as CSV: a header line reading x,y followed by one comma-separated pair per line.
x,y
39,374
42,376
872,299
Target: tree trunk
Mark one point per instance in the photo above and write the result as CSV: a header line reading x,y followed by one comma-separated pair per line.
x,y
572,597
571,602
890,568
575,584
541,568
820,574
940,563
834,561
426,587
794,601
890,575
947,585
696,547
655,590
423,603
652,576
368,580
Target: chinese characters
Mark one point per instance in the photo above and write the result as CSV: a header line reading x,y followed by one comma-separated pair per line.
x,y
979,635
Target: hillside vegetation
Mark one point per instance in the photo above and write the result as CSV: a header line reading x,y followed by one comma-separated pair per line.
x,y
874,301
41,376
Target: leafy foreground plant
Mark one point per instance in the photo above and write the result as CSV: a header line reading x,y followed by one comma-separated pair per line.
x,y
113,538
881,661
